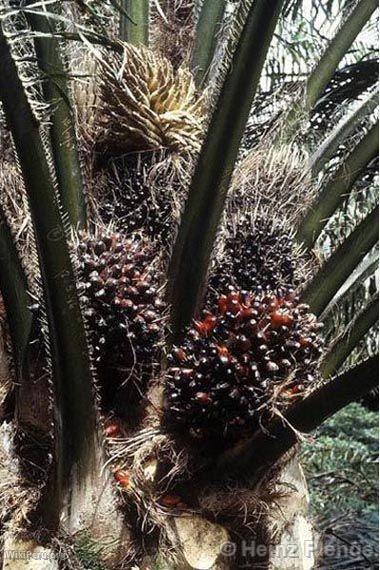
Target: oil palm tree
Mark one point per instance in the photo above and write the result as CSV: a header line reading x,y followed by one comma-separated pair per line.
x,y
163,282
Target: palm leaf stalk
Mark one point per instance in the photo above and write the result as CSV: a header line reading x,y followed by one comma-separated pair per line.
x,y
134,22
338,187
208,26
214,169
75,421
62,130
326,66
355,331
339,266
256,456
14,291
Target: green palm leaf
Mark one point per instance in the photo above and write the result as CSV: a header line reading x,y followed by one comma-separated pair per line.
x,y
339,266
355,331
62,129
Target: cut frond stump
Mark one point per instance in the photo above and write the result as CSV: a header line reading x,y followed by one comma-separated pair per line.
x,y
254,355
145,105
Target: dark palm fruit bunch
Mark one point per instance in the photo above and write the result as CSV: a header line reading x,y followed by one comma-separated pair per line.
x,y
256,352
123,311
258,254
131,203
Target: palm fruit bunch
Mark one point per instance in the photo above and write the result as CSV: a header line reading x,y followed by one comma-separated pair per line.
x,y
143,104
123,311
255,353
257,254
135,198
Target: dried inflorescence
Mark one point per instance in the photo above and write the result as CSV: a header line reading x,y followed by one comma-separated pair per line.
x,y
257,254
145,105
173,30
123,309
254,354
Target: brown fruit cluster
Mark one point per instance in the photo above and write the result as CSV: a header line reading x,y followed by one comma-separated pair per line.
x,y
134,202
123,310
256,255
253,354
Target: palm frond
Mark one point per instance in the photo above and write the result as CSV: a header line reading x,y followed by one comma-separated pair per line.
x,y
293,7
346,85
338,186
337,48
134,22
357,278
339,266
355,331
347,126
206,36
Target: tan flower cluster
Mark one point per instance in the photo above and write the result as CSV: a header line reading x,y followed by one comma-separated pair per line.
x,y
144,104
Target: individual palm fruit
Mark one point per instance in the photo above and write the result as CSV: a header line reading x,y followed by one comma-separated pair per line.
x,y
145,105
123,310
257,253
255,353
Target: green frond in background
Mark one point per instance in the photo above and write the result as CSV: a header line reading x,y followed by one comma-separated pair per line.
x,y
337,48
341,463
